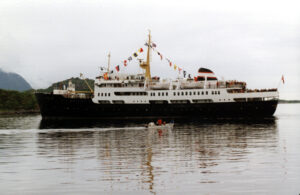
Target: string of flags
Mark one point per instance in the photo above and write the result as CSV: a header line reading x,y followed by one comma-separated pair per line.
x,y
129,59
153,47
176,67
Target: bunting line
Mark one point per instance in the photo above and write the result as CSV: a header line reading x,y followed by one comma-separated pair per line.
x,y
180,70
153,46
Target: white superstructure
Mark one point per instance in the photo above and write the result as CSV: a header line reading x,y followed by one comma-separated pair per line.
x,y
115,88
134,89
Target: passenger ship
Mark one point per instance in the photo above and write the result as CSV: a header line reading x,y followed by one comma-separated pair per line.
x,y
118,95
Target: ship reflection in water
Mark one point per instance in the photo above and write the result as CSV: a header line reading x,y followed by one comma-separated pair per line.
x,y
206,156
124,156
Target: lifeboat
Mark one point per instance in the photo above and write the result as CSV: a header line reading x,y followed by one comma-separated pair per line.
x,y
164,85
191,84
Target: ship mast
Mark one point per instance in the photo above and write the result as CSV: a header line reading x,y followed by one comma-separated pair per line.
x,y
146,65
108,63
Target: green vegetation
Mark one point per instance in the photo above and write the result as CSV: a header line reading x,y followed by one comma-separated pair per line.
x,y
25,102
80,85
288,101
17,101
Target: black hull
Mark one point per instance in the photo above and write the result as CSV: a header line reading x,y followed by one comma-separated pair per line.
x,y
56,106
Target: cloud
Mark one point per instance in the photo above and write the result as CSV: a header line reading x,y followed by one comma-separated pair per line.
x,y
254,41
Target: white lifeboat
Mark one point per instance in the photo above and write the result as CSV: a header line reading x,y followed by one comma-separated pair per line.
x,y
191,84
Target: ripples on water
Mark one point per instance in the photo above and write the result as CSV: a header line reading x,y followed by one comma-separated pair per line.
x,y
204,156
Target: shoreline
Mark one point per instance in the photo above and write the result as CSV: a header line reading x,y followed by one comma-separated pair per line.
x,y
18,112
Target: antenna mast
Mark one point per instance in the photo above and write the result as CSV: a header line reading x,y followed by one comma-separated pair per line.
x,y
146,65
108,63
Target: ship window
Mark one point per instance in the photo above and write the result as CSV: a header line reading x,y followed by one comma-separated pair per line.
x,y
190,93
212,92
131,93
206,92
105,94
186,93
240,99
202,93
104,102
158,93
108,94
162,94
174,93
180,101
182,93
198,92
194,92
202,101
166,93
219,92
118,101
101,94
98,94
178,93
117,85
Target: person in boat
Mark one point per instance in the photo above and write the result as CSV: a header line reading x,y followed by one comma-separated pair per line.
x,y
159,122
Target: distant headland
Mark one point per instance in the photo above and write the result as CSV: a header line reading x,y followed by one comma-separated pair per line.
x,y
13,81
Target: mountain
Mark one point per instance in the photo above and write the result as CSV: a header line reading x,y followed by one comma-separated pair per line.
x,y
13,81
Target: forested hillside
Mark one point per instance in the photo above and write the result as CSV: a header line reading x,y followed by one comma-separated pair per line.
x,y
80,85
14,100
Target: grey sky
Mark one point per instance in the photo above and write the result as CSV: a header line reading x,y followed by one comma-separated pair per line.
x,y
255,41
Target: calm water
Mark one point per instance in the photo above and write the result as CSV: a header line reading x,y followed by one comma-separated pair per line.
x,y
196,157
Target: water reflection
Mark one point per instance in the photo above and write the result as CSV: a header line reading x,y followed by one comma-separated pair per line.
x,y
126,155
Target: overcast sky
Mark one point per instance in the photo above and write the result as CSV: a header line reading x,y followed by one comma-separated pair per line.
x,y
255,41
